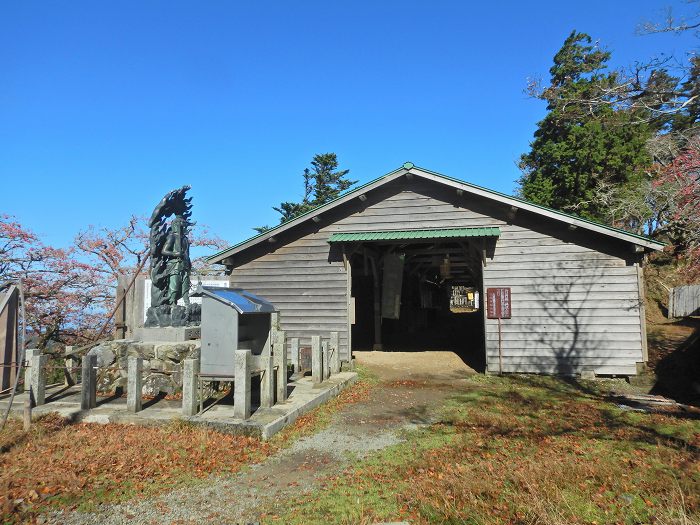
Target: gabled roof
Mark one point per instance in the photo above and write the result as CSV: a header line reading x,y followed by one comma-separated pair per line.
x,y
410,169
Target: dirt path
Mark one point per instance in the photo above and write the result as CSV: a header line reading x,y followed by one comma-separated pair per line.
x,y
356,431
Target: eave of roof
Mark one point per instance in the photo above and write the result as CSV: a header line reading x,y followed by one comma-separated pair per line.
x,y
423,234
409,167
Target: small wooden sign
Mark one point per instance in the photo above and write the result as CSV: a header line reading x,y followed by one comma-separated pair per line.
x,y
498,303
304,359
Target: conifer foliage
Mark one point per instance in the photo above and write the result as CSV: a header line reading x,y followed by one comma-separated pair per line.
x,y
323,182
576,149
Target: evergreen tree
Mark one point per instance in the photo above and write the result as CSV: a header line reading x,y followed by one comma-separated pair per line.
x,y
689,117
576,149
323,182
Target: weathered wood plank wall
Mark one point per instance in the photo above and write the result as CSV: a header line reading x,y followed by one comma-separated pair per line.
x,y
575,293
684,301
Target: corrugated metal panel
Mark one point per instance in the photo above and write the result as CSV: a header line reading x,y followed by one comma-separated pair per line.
x,y
243,301
399,235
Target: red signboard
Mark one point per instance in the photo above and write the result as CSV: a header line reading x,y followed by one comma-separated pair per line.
x,y
498,303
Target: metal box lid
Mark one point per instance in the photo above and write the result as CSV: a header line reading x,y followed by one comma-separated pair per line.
x,y
243,301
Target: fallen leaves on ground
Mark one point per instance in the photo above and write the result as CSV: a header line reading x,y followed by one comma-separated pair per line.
x,y
65,465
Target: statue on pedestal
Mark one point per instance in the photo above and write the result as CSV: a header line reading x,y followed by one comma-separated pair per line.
x,y
170,263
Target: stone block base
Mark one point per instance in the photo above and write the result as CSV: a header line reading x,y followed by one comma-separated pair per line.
x,y
168,334
162,364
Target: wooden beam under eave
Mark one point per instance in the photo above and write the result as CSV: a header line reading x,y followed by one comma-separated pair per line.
x,y
362,197
271,239
316,219
512,212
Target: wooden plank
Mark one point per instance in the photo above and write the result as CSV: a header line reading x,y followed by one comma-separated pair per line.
x,y
684,301
581,338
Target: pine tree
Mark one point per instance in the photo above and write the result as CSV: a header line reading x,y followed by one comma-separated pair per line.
x,y
323,182
577,149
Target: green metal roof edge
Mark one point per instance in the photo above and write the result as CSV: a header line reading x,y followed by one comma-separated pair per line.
x,y
487,231
546,208
408,166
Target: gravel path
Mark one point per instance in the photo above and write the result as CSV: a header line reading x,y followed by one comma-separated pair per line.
x,y
356,431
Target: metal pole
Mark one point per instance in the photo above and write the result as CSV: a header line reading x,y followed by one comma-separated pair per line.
x,y
500,350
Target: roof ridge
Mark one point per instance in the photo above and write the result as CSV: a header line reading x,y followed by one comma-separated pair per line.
x,y
407,167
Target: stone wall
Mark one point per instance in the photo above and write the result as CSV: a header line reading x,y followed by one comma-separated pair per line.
x,y
162,364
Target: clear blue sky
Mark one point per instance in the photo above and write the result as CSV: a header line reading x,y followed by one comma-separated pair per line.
x,y
105,106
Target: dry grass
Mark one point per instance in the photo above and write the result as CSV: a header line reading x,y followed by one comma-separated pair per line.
x,y
57,464
525,451
62,465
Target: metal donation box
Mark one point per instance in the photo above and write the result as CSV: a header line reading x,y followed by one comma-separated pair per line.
x,y
232,319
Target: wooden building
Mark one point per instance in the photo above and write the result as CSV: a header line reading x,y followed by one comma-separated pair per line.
x,y
406,262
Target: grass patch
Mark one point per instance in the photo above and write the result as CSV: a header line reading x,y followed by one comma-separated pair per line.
x,y
320,417
525,450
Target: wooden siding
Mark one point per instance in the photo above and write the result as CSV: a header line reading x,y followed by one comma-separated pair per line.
x,y
575,293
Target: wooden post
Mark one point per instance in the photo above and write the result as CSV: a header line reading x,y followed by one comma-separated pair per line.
x,y
377,288
9,316
500,349
120,314
281,362
241,393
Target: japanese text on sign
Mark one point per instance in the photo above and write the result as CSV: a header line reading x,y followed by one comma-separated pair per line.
x,y
498,303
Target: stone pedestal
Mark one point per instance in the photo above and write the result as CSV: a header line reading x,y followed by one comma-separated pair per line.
x,y
162,364
168,334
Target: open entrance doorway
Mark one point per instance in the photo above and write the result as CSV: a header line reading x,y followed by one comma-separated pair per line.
x,y
419,296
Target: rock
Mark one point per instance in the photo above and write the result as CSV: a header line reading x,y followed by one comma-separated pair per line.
x,y
173,351
178,316
156,383
145,350
158,316
105,355
194,314
157,365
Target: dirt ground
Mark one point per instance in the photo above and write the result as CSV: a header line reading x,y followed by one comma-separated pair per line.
x,y
431,365
413,386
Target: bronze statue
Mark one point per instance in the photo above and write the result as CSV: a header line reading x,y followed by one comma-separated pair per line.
x,y
170,262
